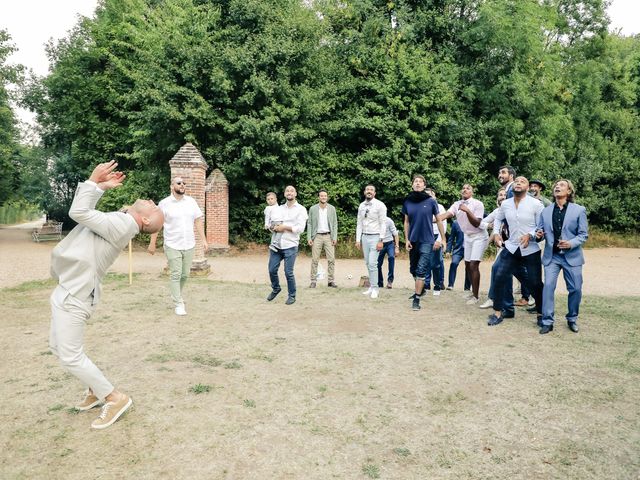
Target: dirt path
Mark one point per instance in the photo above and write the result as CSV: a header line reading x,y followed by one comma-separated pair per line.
x,y
610,271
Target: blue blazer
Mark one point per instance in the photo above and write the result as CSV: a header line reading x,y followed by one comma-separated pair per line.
x,y
574,229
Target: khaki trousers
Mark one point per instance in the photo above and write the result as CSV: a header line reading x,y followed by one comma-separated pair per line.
x,y
68,317
320,242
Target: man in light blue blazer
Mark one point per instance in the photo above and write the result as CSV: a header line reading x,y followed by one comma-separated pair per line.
x,y
78,264
563,225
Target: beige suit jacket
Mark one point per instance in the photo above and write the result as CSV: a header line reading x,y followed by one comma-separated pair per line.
x,y
82,258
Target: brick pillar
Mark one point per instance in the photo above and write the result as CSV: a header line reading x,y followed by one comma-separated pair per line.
x,y
189,164
217,203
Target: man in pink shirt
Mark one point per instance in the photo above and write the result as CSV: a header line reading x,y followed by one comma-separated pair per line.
x,y
469,213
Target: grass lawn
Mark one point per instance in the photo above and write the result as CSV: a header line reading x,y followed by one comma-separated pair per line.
x,y
335,386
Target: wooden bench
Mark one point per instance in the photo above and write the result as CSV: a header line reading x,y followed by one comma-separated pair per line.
x,y
49,231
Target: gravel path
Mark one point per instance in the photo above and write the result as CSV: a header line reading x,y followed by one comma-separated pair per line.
x,y
608,271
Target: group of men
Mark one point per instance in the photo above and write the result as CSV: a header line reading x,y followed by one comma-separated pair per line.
x,y
520,222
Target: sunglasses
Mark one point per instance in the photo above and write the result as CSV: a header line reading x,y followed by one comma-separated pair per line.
x,y
366,213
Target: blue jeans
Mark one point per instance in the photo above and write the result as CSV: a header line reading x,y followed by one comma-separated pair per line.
x,y
389,249
369,243
573,280
456,258
437,269
506,266
275,258
420,259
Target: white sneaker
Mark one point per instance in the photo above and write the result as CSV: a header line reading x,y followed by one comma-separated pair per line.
x,y
368,292
532,301
374,292
472,301
487,304
467,294
436,293
180,310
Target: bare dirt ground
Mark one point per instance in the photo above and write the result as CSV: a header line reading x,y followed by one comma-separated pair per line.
x,y
608,271
335,386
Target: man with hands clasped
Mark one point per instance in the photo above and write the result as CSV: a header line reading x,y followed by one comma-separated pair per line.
x,y
563,225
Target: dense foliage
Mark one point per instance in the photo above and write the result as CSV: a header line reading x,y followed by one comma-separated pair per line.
x,y
336,94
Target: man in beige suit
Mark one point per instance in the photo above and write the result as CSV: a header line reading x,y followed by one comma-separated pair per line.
x,y
78,263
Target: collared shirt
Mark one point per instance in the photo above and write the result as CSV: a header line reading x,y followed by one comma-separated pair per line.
x,y
522,220
294,216
371,219
392,231
323,223
557,220
477,209
179,216
436,232
508,189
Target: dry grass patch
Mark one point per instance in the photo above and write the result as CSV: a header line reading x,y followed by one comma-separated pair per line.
x,y
334,386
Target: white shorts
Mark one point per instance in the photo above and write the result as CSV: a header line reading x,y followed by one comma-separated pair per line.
x,y
474,246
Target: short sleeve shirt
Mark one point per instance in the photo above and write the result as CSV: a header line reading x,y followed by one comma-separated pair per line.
x,y
420,219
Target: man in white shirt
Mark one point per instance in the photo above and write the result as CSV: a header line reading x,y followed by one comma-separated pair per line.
x,y
390,248
522,213
181,213
294,219
322,234
469,213
370,232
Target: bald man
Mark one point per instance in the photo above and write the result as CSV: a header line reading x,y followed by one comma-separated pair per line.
x,y
78,264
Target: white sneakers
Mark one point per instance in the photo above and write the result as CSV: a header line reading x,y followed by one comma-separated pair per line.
x,y
467,294
436,293
472,301
180,310
487,304
373,292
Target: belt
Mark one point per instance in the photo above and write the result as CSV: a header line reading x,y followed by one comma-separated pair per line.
x,y
371,234
323,233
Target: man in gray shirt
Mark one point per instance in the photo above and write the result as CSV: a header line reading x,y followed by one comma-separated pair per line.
x,y
390,248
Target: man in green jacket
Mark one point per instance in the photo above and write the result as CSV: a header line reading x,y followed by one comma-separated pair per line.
x,y
322,233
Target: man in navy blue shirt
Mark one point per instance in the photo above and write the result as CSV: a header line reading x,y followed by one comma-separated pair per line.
x,y
419,210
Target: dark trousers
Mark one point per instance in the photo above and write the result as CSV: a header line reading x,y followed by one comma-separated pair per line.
x,y
436,270
507,265
388,249
275,258
456,258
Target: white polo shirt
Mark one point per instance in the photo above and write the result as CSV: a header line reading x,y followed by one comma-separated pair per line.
x,y
179,216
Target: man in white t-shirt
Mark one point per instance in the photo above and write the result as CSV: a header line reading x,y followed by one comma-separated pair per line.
x,y
469,213
181,214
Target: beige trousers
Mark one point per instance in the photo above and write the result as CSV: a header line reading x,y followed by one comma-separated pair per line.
x,y
68,318
320,242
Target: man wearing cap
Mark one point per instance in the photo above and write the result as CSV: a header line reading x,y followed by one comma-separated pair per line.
x,y
536,187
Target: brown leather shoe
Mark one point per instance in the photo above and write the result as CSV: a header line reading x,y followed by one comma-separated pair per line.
x,y
390,285
523,302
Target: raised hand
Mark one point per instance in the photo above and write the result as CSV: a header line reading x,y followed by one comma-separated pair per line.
x,y
102,171
114,179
